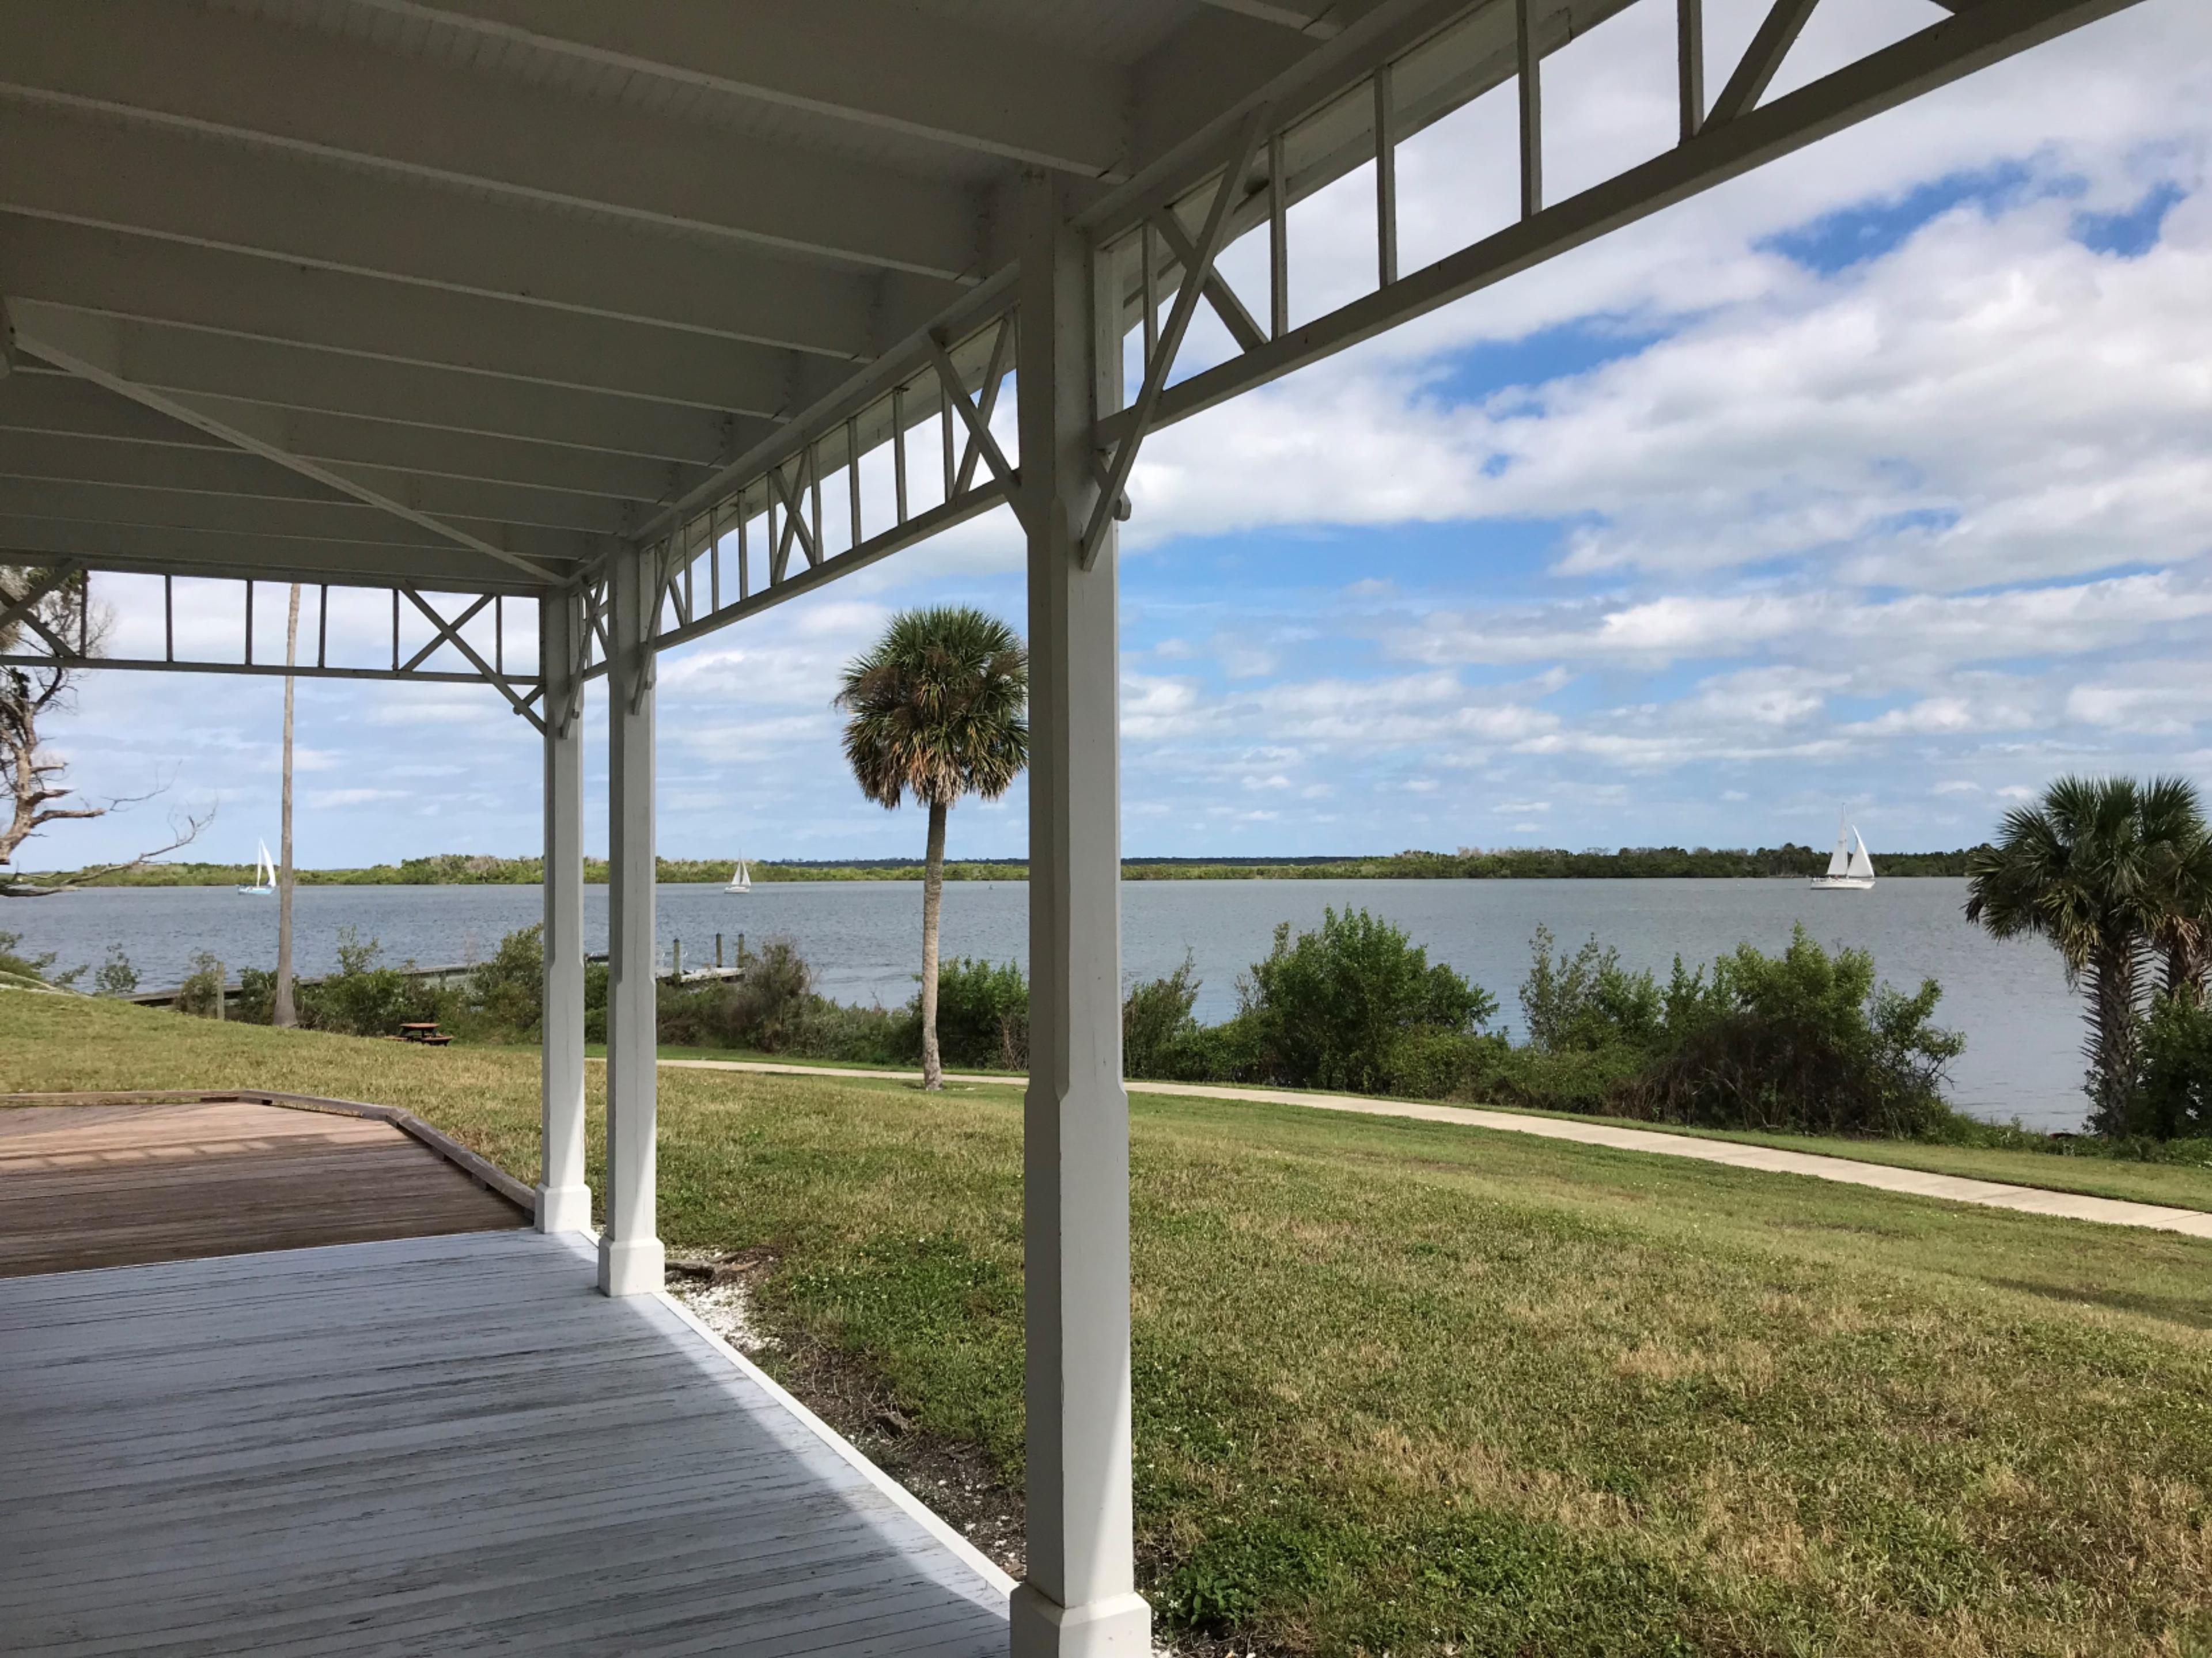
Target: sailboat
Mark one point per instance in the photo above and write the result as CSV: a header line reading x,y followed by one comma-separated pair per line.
x,y
264,874
741,878
1849,868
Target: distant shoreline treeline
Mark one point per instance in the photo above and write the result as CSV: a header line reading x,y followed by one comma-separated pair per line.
x,y
1533,863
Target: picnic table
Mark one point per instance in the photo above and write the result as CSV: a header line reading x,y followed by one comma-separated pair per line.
x,y
425,1031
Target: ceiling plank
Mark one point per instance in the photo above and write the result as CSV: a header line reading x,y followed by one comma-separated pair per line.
x,y
61,457
257,371
259,558
179,284
371,448
871,61
45,401
67,502
303,90
105,464
59,165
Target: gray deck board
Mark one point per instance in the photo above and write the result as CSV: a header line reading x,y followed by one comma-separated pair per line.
x,y
438,1445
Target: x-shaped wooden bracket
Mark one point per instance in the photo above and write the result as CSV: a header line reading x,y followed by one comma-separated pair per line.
x,y
1197,275
449,633
978,421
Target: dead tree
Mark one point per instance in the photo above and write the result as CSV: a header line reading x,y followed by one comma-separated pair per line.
x,y
50,606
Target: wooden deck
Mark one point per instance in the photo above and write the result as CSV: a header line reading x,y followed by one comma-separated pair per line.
x,y
440,1445
86,1185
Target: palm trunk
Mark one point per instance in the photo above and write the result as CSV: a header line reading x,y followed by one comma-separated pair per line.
x,y
2113,1029
282,1012
933,894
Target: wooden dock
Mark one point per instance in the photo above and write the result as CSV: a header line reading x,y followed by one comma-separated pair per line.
x,y
435,1445
109,1185
344,1402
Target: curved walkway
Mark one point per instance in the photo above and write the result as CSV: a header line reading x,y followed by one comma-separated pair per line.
x,y
1913,1182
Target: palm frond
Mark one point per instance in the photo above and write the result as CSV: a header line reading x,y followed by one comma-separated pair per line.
x,y
938,709
2116,874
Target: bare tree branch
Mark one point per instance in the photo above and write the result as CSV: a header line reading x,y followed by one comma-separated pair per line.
x,y
185,827
53,603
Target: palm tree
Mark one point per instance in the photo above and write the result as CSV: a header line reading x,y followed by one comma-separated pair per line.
x,y
939,709
2117,875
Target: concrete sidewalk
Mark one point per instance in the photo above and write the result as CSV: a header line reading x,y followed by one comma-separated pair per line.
x,y
1912,1182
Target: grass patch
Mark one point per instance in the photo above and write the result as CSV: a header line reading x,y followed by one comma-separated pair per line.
x,y
1414,1388
2176,1184
2083,1167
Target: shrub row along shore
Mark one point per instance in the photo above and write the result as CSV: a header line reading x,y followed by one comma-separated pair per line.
x,y
1806,1040
1628,863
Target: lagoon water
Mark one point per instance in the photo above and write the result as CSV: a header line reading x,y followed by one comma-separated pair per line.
x,y
2022,1027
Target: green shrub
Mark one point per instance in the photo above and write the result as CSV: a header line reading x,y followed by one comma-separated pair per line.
x,y
14,963
364,997
595,1001
201,993
1329,1009
1587,1001
116,976
1158,1025
1803,1041
1591,1081
39,970
2172,1098
1225,1052
982,1014
256,997
505,995
772,999
859,1036
1434,1064
767,1006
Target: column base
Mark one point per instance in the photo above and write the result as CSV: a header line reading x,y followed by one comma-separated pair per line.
x,y
1040,1627
631,1267
564,1208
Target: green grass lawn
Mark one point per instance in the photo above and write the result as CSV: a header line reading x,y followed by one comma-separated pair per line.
x,y
2181,1185
1411,1387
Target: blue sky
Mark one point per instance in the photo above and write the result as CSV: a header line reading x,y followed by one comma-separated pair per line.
x,y
1883,476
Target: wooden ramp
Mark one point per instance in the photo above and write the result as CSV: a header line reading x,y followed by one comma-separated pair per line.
x,y
108,1184
443,1446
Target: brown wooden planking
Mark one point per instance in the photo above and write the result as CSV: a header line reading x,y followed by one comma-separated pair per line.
x,y
111,1185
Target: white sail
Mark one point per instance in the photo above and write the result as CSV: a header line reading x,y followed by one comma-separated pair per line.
x,y
1849,868
1860,866
741,878
1839,860
264,871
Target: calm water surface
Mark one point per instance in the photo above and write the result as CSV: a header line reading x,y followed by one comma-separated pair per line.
x,y
2022,1027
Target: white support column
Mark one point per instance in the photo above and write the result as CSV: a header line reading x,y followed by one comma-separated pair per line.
x,y
630,1259
564,1202
1080,1599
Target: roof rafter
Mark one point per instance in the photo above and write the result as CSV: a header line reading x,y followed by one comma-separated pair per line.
x,y
83,352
